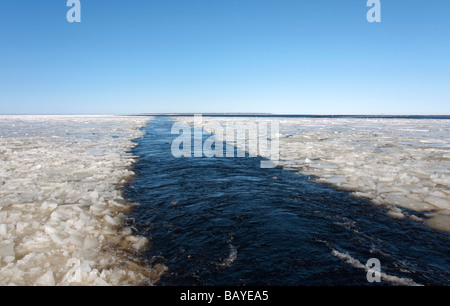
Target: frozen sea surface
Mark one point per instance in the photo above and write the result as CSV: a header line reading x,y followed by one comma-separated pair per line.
x,y
401,163
61,208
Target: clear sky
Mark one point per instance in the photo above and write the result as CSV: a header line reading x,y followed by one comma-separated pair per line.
x,y
200,56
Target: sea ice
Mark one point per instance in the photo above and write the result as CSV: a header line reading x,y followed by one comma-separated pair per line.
x,y
61,204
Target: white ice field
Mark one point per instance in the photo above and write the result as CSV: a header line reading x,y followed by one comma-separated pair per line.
x,y
61,209
401,163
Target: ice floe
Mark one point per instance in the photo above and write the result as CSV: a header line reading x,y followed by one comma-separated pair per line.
x,y
61,206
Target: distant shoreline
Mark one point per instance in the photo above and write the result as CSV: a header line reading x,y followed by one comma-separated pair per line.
x,y
264,115
298,116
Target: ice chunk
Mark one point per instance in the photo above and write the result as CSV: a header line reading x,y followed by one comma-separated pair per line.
x,y
76,239
14,215
439,221
49,205
21,226
46,280
438,202
100,282
7,249
395,213
140,243
57,238
111,220
57,216
406,202
97,208
8,259
90,243
116,275
93,196
3,215
3,230
50,229
438,193
386,179
335,180
127,231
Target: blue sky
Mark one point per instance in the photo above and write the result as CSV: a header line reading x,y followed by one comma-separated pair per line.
x,y
200,56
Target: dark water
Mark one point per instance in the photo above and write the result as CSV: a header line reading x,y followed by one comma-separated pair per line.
x,y
226,221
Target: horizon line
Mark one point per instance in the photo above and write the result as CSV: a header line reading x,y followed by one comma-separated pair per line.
x,y
229,114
